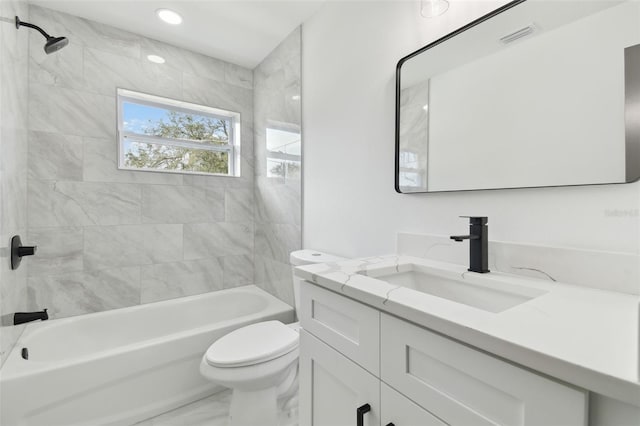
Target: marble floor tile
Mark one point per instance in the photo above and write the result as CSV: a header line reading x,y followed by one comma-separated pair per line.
x,y
213,411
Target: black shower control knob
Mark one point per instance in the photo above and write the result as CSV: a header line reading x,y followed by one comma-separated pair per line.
x,y
27,250
18,251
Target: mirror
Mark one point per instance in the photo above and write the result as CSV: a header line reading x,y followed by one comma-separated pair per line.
x,y
534,94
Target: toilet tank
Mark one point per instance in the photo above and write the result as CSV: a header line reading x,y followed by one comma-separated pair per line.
x,y
307,257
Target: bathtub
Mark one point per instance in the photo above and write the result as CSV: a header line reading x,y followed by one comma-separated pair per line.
x,y
125,365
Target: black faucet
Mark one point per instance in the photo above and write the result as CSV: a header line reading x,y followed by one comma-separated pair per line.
x,y
22,317
478,243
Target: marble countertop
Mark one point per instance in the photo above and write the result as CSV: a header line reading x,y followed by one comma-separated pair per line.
x,y
586,337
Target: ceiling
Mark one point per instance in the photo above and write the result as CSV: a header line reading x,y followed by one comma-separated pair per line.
x,y
238,31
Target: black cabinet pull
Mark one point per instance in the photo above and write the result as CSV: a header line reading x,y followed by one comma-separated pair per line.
x,y
390,424
360,412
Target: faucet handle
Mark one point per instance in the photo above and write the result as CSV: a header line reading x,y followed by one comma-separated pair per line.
x,y
477,220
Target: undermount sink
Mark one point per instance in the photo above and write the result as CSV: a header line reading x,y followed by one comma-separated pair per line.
x,y
480,291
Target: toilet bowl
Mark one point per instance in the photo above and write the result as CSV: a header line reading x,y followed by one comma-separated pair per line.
x,y
259,362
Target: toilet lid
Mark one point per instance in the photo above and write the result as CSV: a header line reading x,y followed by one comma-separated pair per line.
x,y
252,344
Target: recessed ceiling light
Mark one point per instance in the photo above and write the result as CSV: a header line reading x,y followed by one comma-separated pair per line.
x,y
433,8
156,59
295,97
169,16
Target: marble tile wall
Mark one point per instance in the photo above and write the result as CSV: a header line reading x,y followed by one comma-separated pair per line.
x,y
277,83
13,166
111,238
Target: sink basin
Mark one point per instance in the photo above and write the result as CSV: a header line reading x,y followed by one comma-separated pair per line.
x,y
480,291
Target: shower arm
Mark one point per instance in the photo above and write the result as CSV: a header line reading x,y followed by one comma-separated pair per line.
x,y
20,23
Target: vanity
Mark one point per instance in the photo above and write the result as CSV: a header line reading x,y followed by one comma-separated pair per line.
x,y
534,94
401,340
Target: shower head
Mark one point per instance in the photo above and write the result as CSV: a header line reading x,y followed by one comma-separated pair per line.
x,y
53,44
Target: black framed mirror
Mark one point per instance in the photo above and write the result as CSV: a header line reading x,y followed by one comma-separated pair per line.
x,y
533,94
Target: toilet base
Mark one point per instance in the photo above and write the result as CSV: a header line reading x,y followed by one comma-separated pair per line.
x,y
251,408
260,407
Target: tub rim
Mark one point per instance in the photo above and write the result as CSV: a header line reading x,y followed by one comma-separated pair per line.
x,y
16,367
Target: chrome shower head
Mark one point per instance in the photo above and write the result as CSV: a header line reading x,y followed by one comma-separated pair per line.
x,y
52,45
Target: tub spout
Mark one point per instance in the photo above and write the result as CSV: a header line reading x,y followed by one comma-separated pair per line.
x,y
22,317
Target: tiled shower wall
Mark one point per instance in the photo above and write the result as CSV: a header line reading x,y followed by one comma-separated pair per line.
x,y
278,198
110,238
13,166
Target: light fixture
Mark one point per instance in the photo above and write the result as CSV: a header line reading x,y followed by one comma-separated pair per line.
x,y
426,108
169,16
433,8
156,59
295,98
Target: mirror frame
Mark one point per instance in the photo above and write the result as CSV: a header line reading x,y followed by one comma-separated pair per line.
x,y
504,8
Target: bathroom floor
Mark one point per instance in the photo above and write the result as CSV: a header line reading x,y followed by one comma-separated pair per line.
x,y
212,411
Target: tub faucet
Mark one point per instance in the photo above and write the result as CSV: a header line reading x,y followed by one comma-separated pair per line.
x,y
22,317
478,243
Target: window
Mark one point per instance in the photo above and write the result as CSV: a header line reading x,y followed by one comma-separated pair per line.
x,y
166,135
284,152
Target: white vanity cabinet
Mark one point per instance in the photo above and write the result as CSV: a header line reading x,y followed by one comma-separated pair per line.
x,y
464,386
421,378
398,410
335,387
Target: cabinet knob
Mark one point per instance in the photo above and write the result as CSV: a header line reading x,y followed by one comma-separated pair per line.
x,y
360,412
390,424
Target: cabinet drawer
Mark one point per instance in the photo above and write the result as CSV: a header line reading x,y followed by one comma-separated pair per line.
x,y
352,328
463,386
399,410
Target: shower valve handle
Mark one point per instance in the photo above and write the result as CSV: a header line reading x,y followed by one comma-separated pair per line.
x,y
18,251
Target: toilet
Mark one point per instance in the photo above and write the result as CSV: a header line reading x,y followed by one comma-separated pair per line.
x,y
259,362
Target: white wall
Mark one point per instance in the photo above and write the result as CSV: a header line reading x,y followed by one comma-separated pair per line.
x,y
350,50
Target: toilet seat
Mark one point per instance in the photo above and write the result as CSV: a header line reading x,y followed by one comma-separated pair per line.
x,y
253,344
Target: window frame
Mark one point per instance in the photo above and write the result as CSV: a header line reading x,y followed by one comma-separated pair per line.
x,y
232,148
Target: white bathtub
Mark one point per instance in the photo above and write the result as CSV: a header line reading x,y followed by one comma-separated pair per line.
x,y
121,366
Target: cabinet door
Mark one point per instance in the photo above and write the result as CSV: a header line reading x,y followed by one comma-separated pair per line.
x,y
463,386
332,387
398,410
